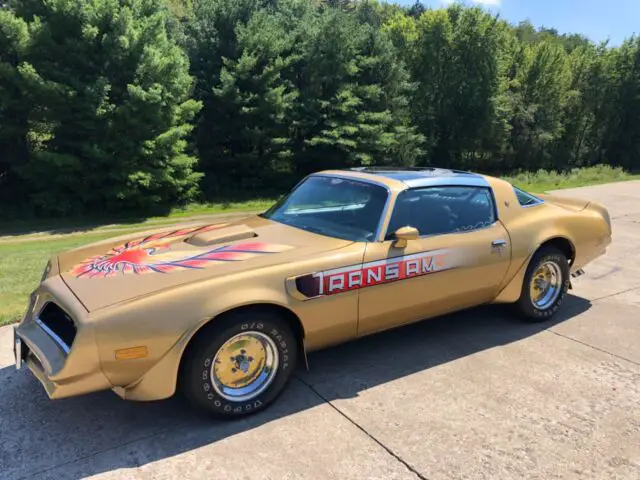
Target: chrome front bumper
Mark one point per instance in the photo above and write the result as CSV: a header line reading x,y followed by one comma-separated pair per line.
x,y
64,370
17,349
32,342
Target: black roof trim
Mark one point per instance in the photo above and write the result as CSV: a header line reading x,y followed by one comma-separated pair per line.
x,y
432,170
426,176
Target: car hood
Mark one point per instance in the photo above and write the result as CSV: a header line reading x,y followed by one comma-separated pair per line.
x,y
123,268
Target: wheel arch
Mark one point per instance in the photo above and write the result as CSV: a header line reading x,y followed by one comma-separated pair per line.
x,y
563,244
162,380
511,292
293,321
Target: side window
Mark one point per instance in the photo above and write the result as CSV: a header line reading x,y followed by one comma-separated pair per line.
x,y
526,199
440,210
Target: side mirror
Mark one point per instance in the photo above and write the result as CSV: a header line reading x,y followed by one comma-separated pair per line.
x,y
403,235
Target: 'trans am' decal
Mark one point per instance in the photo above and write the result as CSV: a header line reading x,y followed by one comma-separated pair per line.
x,y
338,280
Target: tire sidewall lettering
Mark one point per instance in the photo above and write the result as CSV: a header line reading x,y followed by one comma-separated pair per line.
x,y
252,326
231,408
565,287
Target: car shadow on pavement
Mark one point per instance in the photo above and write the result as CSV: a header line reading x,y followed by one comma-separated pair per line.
x,y
97,433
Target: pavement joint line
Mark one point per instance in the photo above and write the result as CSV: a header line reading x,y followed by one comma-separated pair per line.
x,y
363,430
617,293
623,216
324,399
30,475
179,425
594,347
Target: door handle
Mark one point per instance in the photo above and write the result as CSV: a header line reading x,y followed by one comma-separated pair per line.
x,y
498,243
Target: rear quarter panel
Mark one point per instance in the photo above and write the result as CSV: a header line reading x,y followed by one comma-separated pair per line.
x,y
530,227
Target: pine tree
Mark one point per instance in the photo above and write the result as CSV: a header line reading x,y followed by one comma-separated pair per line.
x,y
110,108
14,108
252,144
416,9
353,95
212,41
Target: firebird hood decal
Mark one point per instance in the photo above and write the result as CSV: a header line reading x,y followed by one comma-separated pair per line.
x,y
153,254
134,266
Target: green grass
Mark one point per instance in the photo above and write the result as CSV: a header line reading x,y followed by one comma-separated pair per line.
x,y
227,207
179,214
543,180
23,257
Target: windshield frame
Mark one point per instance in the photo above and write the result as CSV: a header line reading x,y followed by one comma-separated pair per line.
x,y
383,214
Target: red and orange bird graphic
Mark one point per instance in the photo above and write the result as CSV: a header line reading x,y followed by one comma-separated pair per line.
x,y
154,254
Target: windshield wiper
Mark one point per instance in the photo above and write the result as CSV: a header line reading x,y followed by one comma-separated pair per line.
x,y
312,229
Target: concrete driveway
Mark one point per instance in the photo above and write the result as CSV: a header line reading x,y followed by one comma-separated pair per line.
x,y
471,395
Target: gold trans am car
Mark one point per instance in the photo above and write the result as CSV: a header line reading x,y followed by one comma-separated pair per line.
x,y
224,312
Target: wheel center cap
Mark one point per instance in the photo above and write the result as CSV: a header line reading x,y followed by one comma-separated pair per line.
x,y
244,366
541,284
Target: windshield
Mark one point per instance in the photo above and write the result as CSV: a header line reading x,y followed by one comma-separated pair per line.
x,y
333,206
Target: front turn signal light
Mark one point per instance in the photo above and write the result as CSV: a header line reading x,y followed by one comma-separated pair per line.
x,y
132,353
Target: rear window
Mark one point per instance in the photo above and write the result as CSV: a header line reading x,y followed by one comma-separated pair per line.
x,y
526,199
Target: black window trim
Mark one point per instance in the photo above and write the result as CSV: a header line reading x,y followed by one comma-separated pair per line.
x,y
491,196
378,233
385,210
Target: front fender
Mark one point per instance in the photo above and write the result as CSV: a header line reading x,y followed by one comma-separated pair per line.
x,y
164,321
160,381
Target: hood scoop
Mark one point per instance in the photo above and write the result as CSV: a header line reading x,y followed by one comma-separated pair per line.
x,y
224,235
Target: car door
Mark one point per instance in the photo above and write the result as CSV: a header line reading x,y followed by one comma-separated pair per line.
x,y
458,261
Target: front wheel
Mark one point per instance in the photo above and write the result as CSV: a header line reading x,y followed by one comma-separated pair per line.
x,y
240,364
545,285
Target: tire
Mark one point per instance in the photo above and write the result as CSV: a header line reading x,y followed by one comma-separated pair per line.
x,y
226,352
542,307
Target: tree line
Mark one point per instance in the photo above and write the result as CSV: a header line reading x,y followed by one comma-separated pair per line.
x,y
132,106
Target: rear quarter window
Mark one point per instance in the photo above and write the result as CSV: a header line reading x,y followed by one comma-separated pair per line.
x,y
526,199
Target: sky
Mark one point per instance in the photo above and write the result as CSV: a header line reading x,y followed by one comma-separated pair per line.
x,y
598,20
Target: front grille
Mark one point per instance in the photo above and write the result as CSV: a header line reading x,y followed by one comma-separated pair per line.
x,y
59,323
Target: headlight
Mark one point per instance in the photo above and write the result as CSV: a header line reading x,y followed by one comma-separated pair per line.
x,y
46,272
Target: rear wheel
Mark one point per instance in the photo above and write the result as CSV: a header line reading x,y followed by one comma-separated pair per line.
x,y
545,285
240,364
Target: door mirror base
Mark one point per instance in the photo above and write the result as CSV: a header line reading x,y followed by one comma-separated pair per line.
x,y
403,235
